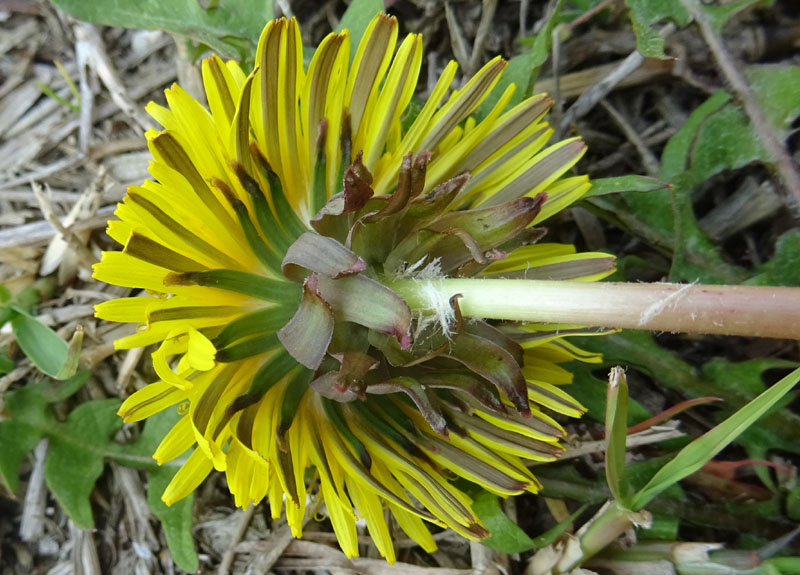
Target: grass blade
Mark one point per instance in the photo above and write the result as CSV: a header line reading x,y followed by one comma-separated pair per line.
x,y
616,431
692,457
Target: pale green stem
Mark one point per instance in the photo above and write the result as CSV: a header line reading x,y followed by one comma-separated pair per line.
x,y
689,308
608,524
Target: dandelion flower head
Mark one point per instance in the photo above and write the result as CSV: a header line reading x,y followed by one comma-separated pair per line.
x,y
267,248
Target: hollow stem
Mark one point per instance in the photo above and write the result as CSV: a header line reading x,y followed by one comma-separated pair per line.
x,y
752,311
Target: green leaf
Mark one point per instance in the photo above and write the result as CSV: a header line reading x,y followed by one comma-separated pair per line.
x,y
718,135
6,363
155,429
17,439
775,87
30,296
616,433
540,50
718,15
222,27
5,294
66,388
793,504
784,267
176,520
41,344
356,19
781,566
703,143
743,376
724,141
633,183
29,404
506,536
665,220
30,420
692,457
640,472
675,158
694,256
517,72
645,13
6,313
76,456
414,108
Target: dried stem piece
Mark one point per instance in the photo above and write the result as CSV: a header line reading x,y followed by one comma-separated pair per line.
x,y
584,104
485,25
241,528
84,255
457,41
649,160
31,527
93,53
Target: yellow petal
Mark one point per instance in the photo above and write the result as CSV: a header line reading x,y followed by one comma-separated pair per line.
x,y
394,97
149,400
121,269
207,410
369,65
344,524
410,523
386,176
370,508
200,351
448,161
175,343
275,493
461,103
175,442
539,368
199,136
221,90
188,478
322,97
535,174
554,398
125,309
562,195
